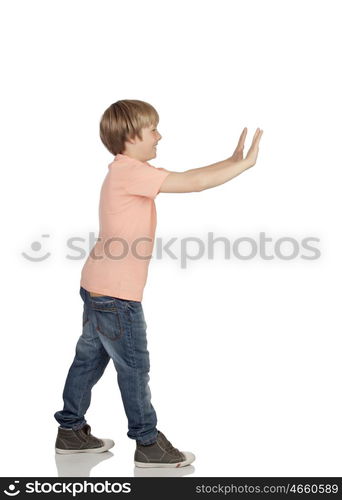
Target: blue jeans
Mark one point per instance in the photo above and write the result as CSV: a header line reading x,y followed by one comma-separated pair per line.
x,y
112,328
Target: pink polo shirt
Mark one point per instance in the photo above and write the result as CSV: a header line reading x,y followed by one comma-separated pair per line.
x,y
118,263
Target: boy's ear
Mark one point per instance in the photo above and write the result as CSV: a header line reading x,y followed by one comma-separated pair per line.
x,y
130,140
133,140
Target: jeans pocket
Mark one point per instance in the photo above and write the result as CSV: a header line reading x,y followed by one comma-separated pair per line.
x,y
107,317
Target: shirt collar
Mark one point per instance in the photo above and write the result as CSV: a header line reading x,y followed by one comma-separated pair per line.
x,y
120,156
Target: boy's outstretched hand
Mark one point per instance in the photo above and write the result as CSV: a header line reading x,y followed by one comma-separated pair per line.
x,y
199,179
253,151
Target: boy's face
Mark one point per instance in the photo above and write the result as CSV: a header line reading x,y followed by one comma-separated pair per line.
x,y
147,148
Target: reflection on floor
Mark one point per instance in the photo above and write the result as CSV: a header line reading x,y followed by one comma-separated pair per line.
x,y
80,465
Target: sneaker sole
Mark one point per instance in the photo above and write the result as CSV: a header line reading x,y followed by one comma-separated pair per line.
x,y
108,443
190,457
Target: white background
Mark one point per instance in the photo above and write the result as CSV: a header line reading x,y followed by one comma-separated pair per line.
x,y
245,354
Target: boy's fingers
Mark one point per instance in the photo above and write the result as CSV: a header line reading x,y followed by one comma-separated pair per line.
x,y
242,138
257,135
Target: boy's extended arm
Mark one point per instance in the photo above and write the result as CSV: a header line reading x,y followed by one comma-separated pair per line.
x,y
218,173
199,179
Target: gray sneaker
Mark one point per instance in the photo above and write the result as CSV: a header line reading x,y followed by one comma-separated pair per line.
x,y
80,441
161,454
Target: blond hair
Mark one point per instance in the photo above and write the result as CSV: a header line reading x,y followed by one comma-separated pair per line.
x,y
124,120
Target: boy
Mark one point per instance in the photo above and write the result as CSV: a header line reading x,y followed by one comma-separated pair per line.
x,y
114,276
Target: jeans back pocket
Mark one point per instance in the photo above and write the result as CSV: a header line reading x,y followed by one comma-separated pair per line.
x,y
107,317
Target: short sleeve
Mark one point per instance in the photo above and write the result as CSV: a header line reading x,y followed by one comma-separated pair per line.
x,y
145,180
